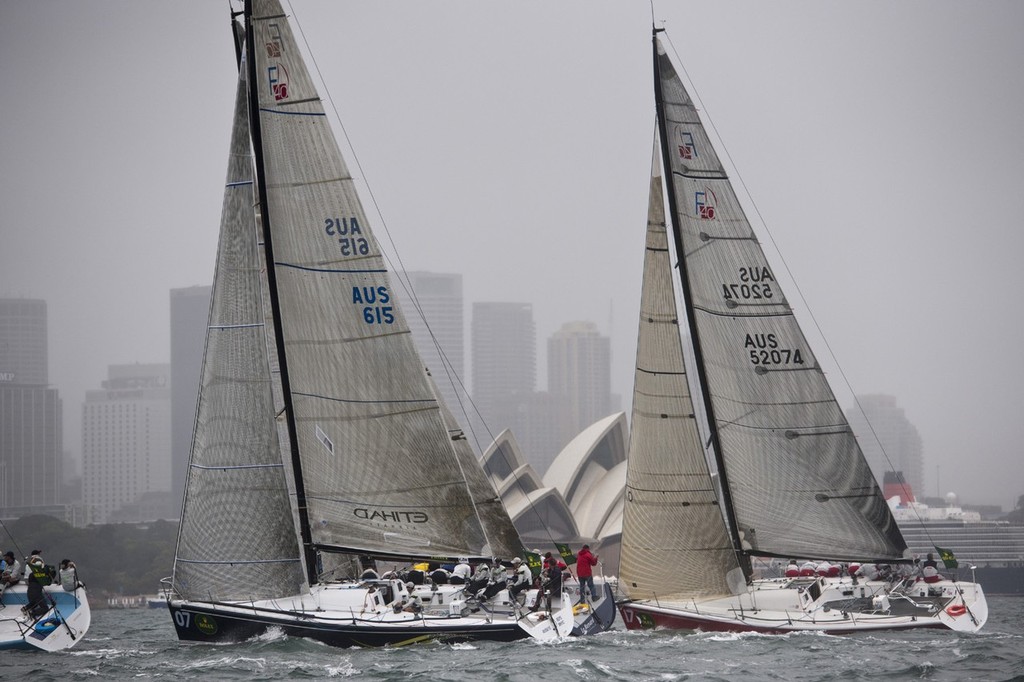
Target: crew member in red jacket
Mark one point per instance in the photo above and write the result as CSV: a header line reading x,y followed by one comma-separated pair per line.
x,y
585,562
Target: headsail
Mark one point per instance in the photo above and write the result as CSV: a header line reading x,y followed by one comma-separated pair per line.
x,y
378,468
671,516
237,538
798,482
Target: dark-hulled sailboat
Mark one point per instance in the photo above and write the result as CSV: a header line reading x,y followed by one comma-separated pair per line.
x,y
319,437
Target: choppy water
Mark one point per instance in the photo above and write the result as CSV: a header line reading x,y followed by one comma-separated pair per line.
x,y
141,644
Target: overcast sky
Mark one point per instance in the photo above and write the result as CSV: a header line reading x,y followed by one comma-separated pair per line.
x,y
880,142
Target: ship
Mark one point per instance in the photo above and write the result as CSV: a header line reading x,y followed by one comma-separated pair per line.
x,y
987,551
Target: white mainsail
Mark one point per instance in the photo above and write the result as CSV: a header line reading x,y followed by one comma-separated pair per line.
x,y
793,480
378,467
798,481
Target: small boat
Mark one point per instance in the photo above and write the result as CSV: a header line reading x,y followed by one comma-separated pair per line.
x,y
321,446
739,449
159,600
61,627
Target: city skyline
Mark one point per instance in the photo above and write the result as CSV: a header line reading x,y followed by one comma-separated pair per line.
x,y
519,155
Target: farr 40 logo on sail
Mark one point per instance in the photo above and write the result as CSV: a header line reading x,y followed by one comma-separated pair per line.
x,y
705,203
276,73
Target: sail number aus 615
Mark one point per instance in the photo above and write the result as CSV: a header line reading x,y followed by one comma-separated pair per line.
x,y
764,350
373,300
349,234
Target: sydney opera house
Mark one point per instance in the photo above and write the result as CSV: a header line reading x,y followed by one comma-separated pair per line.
x,y
579,499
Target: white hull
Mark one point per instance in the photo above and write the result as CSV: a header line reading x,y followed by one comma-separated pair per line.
x,y
831,605
61,627
352,614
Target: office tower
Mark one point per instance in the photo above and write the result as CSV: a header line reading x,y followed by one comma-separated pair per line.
x,y
190,309
126,441
579,376
31,435
439,299
504,355
901,447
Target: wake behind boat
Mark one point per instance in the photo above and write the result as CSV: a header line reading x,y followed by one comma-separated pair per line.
x,y
321,446
742,395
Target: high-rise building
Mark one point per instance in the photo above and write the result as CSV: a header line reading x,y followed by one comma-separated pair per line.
x,y
190,309
126,441
579,377
889,441
439,322
504,355
23,351
31,434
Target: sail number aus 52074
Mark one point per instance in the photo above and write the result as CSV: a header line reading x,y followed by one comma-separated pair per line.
x,y
754,283
765,350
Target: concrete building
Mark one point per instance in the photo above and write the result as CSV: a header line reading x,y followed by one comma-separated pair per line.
x,y
31,429
438,296
579,377
126,440
580,498
889,441
190,310
504,355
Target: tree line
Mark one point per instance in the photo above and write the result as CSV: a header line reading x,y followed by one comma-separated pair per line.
x,y
112,559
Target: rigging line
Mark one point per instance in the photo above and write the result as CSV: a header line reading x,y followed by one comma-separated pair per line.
x,y
782,259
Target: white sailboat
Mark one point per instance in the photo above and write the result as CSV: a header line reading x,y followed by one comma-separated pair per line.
x,y
319,437
751,406
62,625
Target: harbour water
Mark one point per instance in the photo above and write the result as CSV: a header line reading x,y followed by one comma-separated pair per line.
x,y
140,644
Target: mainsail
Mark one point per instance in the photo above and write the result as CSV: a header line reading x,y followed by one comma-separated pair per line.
x,y
792,479
797,480
378,472
234,543
671,518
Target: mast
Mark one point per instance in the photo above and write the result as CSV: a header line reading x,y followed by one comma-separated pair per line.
x,y
690,320
261,185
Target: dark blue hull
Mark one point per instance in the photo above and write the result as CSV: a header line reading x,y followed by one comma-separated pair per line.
x,y
201,623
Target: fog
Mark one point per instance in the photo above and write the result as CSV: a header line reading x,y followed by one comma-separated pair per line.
x,y
510,141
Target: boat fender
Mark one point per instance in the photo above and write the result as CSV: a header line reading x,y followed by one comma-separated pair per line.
x,y
45,627
956,610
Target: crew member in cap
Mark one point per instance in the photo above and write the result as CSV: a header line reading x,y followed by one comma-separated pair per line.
x,y
36,575
522,578
12,571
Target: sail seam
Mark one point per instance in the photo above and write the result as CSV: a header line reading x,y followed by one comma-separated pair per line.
x,y
787,313
293,113
235,466
232,563
702,175
335,270
366,402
